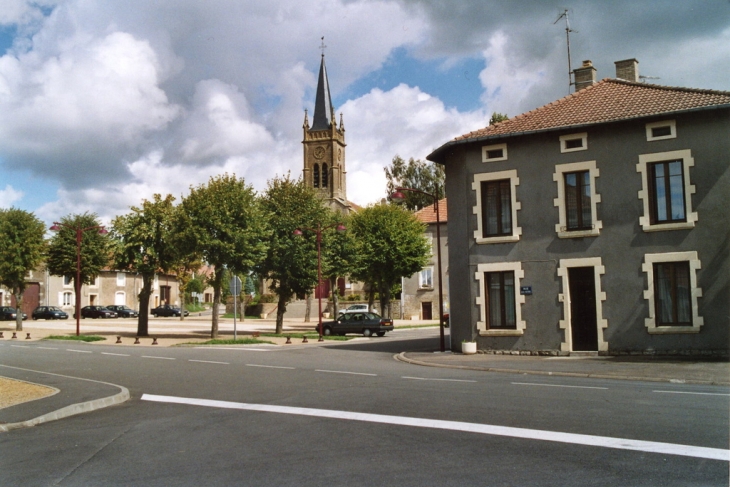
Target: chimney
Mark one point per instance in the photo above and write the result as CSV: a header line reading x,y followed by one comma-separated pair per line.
x,y
628,69
585,76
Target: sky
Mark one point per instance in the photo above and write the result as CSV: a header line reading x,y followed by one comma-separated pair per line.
x,y
105,103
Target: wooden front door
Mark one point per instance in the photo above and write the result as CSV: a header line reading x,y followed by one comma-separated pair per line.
x,y
583,322
426,313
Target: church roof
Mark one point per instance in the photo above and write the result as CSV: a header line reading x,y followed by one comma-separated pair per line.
x,y
323,111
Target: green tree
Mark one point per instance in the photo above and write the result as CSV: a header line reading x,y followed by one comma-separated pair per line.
x,y
95,248
224,222
391,246
22,249
291,262
340,256
416,174
497,117
143,243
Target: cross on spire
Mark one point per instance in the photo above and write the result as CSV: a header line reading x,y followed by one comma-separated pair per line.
x,y
322,46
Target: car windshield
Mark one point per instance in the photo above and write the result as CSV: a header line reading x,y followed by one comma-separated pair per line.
x,y
54,308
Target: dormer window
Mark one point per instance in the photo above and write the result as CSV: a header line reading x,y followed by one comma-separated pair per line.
x,y
493,153
574,142
666,129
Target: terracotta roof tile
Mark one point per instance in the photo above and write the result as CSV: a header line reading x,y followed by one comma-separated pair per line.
x,y
609,100
428,214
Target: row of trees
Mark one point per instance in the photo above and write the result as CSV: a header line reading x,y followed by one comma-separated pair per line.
x,y
226,224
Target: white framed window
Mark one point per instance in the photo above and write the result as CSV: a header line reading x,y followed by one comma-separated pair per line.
x,y
67,281
121,278
65,298
666,191
494,153
499,300
672,292
425,278
496,207
577,200
666,129
574,142
564,297
120,298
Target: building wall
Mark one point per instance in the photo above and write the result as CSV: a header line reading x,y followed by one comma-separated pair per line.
x,y
414,294
621,245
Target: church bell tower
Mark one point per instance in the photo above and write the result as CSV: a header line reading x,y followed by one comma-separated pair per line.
x,y
324,148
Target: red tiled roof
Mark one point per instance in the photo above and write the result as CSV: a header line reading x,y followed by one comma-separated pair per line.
x,y
428,214
609,100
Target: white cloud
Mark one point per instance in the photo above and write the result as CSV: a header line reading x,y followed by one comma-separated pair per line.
x,y
9,195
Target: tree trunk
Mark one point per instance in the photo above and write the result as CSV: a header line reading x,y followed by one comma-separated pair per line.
x,y
385,301
371,296
217,282
182,303
335,296
144,305
308,308
280,310
18,293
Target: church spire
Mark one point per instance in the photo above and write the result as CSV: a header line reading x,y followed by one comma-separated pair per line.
x,y
323,110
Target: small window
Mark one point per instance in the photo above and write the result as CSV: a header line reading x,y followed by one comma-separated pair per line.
x,y
121,278
493,153
425,278
66,299
67,280
325,176
315,175
666,129
577,200
574,142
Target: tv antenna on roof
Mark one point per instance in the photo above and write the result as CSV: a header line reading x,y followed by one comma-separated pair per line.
x,y
568,30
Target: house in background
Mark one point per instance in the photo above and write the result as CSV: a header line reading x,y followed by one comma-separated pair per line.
x,y
420,295
598,222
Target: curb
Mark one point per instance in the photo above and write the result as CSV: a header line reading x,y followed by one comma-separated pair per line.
x,y
73,409
401,357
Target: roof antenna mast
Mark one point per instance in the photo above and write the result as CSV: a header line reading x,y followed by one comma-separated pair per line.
x,y
568,30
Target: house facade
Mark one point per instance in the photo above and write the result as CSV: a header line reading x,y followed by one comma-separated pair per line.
x,y
420,295
596,223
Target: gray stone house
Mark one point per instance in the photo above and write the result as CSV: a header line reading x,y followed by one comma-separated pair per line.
x,y
598,222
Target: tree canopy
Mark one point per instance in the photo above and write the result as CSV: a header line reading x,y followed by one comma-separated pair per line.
x,y
497,117
416,174
391,245
224,222
22,249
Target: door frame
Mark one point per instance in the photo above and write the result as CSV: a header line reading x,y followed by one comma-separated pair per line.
x,y
564,297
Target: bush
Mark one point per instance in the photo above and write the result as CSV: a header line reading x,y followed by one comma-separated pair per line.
x,y
352,297
268,298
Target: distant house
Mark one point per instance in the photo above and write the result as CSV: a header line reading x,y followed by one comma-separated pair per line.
x,y
598,222
420,298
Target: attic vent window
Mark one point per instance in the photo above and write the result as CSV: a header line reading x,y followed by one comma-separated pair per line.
x,y
666,129
493,153
574,142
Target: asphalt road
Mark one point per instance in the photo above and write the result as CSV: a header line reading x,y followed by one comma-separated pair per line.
x,y
350,415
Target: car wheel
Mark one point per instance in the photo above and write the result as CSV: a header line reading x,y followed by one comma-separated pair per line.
x,y
381,333
35,318
154,315
327,331
366,332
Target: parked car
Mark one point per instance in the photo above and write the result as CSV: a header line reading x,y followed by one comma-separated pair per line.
x,y
364,323
49,313
123,311
96,312
8,313
353,308
167,310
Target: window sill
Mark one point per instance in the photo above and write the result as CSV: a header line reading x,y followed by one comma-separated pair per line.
x,y
579,233
501,333
669,330
660,227
502,239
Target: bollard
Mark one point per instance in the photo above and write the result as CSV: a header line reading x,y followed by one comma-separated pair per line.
x,y
305,340
154,341
136,340
119,340
321,339
27,336
288,340
15,335
1,335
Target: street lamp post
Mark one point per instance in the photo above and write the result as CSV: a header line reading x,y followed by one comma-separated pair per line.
x,y
398,197
77,282
318,231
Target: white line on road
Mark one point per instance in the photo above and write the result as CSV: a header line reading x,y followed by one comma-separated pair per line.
x,y
557,385
47,348
209,362
697,393
78,351
270,366
162,358
20,346
344,372
530,434
115,354
445,380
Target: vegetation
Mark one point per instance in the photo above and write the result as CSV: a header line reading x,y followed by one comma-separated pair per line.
x,y
80,338
497,117
415,174
309,335
239,341
22,249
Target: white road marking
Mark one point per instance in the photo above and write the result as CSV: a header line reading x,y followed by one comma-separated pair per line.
x,y
78,351
270,366
344,372
47,348
162,358
209,362
530,434
696,393
557,385
115,354
20,346
445,380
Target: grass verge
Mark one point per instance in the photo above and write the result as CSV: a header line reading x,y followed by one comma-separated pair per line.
x,y
240,341
238,317
429,325
309,336
80,338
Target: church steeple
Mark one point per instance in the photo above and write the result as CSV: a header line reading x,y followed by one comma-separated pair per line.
x,y
323,111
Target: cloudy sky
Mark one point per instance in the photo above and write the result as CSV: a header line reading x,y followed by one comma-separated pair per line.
x,y
103,103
